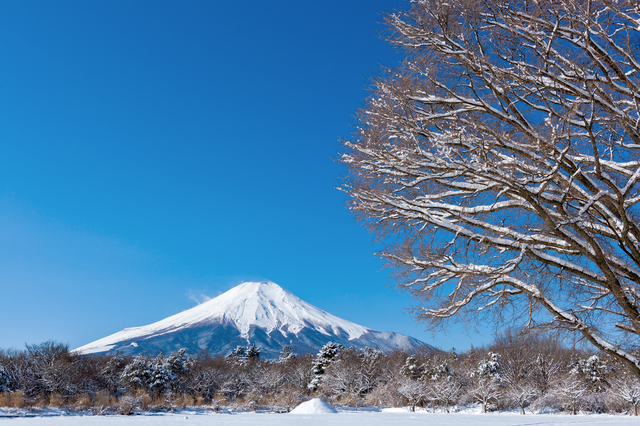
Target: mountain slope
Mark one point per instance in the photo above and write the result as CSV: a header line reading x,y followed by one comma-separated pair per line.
x,y
260,313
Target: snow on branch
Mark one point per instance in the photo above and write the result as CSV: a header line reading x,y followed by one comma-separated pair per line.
x,y
501,164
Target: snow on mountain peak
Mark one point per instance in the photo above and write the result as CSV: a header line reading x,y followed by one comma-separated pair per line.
x,y
264,305
269,306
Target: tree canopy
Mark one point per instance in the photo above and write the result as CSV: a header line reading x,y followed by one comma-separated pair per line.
x,y
500,164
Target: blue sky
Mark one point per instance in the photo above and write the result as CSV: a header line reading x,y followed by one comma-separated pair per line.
x,y
154,153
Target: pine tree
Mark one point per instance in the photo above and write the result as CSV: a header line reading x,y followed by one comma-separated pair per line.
x,y
178,362
327,354
4,379
490,368
253,353
594,371
137,374
411,369
488,381
287,353
113,370
238,355
161,376
239,351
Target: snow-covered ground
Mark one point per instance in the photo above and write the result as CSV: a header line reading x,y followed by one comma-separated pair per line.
x,y
342,418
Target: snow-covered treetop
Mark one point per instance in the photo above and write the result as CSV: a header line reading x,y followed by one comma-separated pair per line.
x,y
489,368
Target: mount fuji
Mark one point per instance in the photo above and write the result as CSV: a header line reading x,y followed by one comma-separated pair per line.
x,y
255,312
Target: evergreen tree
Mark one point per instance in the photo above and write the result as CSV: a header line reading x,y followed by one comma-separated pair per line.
x,y
115,364
488,382
113,370
593,370
253,353
161,376
286,353
489,368
327,354
178,362
137,374
4,379
238,355
411,369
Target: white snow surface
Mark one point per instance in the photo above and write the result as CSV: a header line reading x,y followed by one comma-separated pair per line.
x,y
384,418
260,304
313,406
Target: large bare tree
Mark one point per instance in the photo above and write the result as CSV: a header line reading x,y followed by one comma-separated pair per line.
x,y
500,164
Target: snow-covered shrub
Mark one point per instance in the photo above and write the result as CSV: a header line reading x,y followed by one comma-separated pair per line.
x,y
288,397
386,395
128,404
444,390
205,381
594,402
521,393
49,368
237,383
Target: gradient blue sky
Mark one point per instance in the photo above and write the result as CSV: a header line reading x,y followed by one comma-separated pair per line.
x,y
154,153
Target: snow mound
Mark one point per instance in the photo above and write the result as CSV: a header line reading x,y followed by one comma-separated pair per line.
x,y
314,406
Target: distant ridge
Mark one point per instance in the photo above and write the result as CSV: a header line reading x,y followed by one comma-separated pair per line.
x,y
257,312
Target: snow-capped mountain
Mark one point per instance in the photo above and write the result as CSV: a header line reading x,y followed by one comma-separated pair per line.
x,y
255,312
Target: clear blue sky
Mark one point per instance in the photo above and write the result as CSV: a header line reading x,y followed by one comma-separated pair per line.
x,y
153,153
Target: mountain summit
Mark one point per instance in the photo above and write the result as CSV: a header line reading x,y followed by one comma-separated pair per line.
x,y
257,312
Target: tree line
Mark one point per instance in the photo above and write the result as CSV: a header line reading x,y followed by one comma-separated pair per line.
x,y
525,373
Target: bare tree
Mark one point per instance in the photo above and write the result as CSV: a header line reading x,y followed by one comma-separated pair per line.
x,y
628,389
571,390
413,390
501,165
353,373
522,393
444,390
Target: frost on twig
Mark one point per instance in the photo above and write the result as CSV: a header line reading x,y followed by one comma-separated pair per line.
x,y
500,163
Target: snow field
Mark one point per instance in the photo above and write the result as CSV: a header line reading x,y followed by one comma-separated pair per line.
x,y
389,417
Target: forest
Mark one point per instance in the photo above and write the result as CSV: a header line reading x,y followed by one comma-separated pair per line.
x,y
528,374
